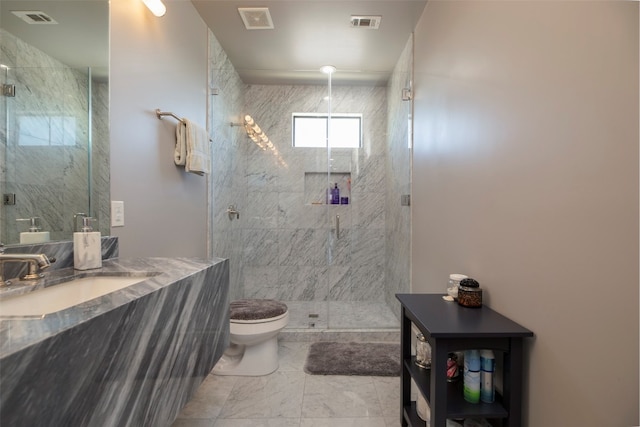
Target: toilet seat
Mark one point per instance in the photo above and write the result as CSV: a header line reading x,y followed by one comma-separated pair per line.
x,y
256,310
270,319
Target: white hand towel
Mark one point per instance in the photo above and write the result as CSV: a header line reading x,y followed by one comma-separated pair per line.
x,y
192,148
198,153
180,153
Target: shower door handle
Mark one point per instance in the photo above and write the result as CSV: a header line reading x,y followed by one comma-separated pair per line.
x,y
337,226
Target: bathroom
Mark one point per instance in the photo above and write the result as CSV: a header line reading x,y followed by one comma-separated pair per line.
x,y
282,246
148,71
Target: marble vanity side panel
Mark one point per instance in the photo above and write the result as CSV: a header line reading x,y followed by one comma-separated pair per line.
x,y
62,252
136,365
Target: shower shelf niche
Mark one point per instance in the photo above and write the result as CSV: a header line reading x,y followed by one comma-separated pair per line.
x,y
315,186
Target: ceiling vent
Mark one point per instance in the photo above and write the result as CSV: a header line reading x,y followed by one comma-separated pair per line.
x,y
371,22
34,17
256,18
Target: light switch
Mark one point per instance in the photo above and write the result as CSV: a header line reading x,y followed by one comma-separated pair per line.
x,y
117,213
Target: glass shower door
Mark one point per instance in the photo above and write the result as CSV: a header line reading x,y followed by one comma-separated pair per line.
x,y
369,236
357,220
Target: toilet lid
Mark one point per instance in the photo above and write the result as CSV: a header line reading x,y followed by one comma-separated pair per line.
x,y
256,309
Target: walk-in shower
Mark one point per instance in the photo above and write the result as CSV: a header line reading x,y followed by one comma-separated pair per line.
x,y
336,265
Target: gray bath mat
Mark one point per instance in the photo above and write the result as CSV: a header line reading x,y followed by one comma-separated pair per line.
x,y
353,358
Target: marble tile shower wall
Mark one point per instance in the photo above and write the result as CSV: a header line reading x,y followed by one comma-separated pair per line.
x,y
46,88
398,181
286,238
228,185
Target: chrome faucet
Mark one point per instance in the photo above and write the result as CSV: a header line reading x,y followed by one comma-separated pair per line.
x,y
35,263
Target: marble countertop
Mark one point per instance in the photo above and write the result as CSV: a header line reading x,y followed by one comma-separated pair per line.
x,y
16,333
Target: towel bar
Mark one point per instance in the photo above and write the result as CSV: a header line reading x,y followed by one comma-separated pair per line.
x,y
161,114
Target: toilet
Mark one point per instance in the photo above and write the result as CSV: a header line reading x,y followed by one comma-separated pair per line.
x,y
254,326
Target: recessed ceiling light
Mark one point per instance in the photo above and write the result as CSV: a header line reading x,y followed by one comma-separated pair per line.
x,y
328,69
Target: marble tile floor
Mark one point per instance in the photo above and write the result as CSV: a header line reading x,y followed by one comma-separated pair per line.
x,y
290,397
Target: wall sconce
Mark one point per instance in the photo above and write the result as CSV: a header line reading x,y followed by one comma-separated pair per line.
x,y
156,7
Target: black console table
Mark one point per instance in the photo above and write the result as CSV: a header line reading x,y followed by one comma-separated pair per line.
x,y
450,327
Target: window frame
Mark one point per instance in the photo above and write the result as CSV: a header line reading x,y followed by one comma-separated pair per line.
x,y
357,116
63,122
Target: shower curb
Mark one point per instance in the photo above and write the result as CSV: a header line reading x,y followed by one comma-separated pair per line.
x,y
391,335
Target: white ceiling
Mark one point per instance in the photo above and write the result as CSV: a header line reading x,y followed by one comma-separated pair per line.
x,y
307,35
311,33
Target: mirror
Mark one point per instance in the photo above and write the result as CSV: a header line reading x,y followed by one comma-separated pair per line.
x,y
54,139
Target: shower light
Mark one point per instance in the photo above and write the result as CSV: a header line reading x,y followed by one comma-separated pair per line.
x,y
156,7
253,130
258,136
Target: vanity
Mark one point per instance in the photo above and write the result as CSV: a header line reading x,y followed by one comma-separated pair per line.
x,y
131,357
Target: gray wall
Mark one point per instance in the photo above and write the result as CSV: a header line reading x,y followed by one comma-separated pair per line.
x,y
156,63
526,178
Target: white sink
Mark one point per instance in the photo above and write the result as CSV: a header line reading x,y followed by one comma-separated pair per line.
x,y
64,295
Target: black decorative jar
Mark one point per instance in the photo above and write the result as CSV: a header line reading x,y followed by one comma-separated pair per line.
x,y
469,293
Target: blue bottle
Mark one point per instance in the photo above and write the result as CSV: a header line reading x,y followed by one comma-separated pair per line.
x,y
335,195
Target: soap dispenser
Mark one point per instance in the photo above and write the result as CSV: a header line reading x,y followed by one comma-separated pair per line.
x,y
87,250
35,233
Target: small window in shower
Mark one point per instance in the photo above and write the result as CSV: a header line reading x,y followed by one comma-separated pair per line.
x,y
46,130
310,130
